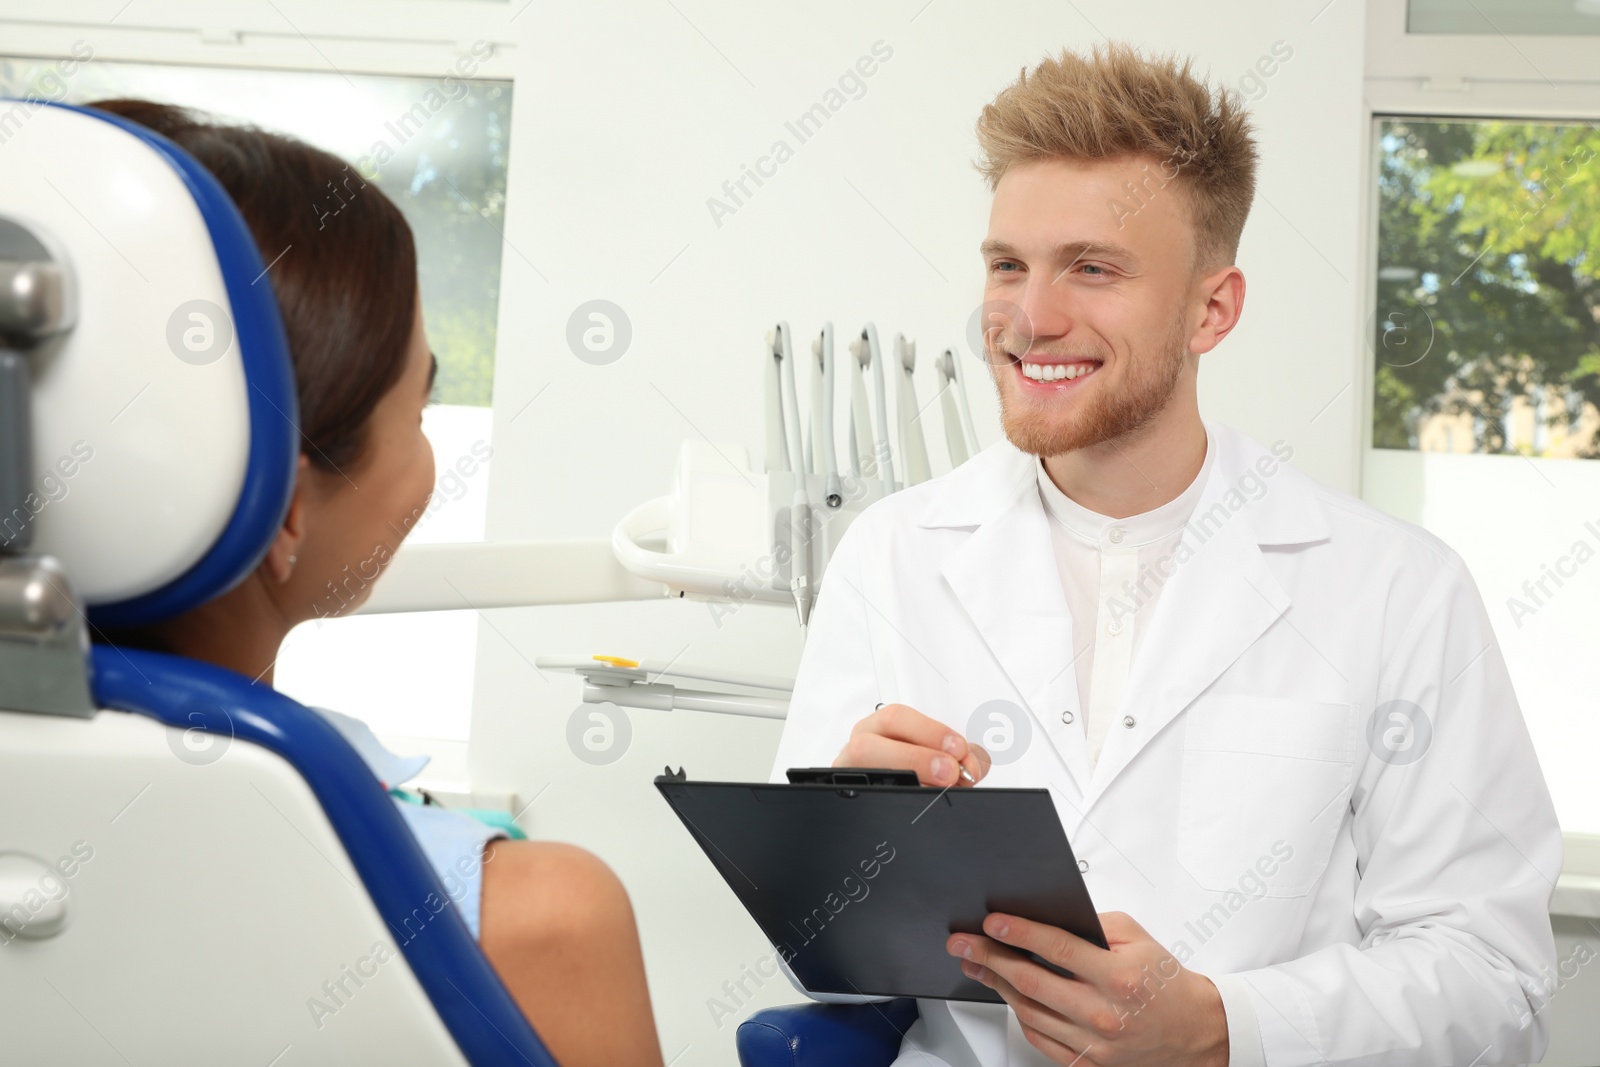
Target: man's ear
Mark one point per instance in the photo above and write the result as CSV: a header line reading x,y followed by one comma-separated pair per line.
x,y
1224,295
285,551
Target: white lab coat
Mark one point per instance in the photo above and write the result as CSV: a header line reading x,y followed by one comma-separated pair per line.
x,y
1409,923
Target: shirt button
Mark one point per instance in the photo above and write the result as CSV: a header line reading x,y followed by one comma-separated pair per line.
x,y
1115,628
1129,722
1115,535
1083,866
1066,716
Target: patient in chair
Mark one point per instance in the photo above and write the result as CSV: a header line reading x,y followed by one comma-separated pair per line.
x,y
553,919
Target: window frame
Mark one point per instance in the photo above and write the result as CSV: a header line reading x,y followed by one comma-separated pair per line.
x,y
1445,59
298,35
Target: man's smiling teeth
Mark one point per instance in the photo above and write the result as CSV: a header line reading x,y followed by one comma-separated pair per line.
x,y
1055,372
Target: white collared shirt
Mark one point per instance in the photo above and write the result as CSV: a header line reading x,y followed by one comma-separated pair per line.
x,y
1111,577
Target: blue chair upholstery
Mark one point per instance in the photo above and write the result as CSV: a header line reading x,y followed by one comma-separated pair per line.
x,y
836,1035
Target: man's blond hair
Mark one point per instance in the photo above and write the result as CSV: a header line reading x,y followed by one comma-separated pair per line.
x,y
1117,103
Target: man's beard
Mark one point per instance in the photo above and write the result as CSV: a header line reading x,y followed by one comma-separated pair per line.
x,y
1041,427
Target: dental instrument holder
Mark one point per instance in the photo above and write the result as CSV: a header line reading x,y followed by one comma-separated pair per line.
x,y
44,644
732,535
819,533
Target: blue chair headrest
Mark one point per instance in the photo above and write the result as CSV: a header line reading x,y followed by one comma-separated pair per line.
x,y
165,425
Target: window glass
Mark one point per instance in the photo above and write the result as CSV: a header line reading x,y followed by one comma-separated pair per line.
x,y
1488,327
1501,17
1486,342
436,146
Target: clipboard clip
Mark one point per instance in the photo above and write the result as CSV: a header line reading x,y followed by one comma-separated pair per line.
x,y
669,776
851,776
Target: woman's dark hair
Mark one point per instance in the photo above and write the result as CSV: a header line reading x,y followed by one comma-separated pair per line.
x,y
342,264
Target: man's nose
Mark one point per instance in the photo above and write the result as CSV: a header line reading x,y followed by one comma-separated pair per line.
x,y
1044,314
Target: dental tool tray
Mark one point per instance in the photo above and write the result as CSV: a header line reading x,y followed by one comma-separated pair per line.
x,y
858,884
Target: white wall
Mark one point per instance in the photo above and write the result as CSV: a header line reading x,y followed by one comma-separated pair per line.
x,y
627,118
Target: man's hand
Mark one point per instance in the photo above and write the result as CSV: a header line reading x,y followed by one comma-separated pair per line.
x,y
1132,1005
898,737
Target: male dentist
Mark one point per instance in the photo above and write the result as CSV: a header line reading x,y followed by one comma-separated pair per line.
x,y
1274,720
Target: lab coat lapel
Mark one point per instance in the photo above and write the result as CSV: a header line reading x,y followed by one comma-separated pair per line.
x,y
1217,603
1005,577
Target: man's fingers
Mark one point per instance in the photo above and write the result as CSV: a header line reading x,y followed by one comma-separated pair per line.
x,y
1088,961
901,737
1070,997
1047,1030
866,749
901,722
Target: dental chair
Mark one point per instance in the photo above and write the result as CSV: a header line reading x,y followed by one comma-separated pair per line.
x,y
193,869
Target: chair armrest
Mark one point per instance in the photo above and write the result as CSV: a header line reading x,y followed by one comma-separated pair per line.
x,y
836,1035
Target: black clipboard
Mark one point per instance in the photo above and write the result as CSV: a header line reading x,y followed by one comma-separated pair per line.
x,y
858,884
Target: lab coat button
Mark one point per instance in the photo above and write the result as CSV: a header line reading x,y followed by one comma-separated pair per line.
x,y
1114,629
1115,535
1128,721
1066,716
1083,866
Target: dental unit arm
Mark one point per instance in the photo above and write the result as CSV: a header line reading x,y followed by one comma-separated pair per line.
x,y
725,531
722,533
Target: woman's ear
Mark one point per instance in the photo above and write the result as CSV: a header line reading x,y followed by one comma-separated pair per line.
x,y
285,551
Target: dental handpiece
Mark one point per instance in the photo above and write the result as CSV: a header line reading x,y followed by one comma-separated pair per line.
x,y
884,454
908,413
822,349
800,503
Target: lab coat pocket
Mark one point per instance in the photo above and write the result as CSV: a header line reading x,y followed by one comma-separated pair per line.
x,y
1265,782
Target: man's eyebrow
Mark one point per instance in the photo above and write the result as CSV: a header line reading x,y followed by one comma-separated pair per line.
x,y
1067,250
433,372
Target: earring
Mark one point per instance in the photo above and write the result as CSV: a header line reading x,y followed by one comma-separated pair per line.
x,y
292,560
